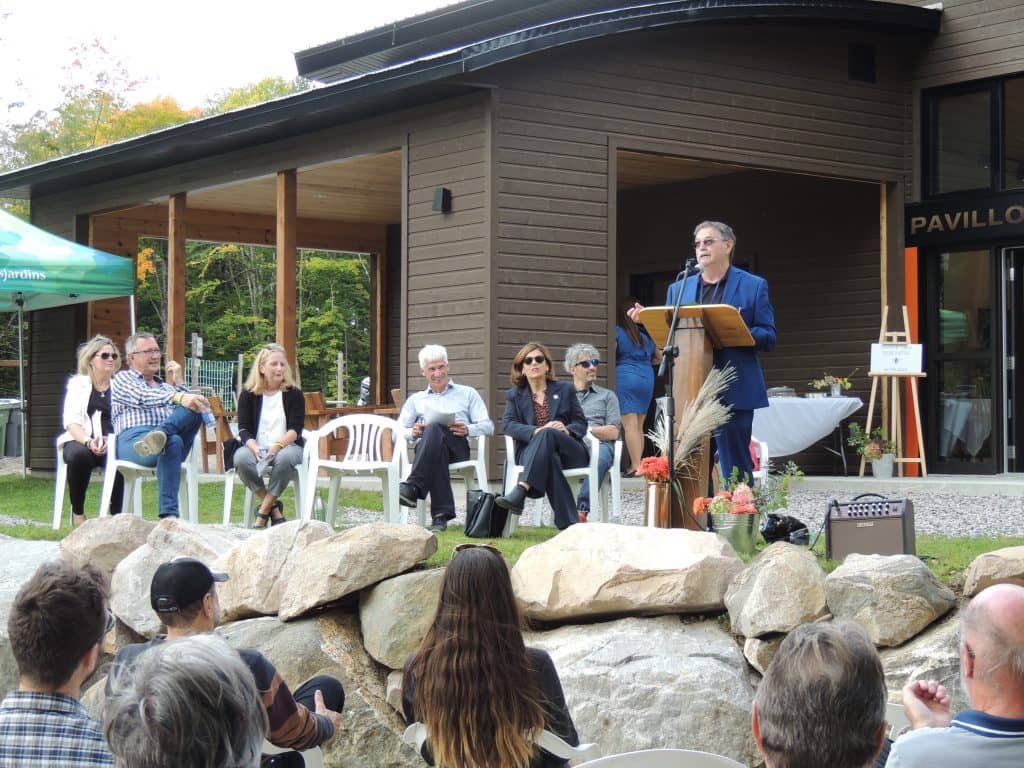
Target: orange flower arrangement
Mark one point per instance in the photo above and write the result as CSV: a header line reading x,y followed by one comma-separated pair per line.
x,y
739,502
654,468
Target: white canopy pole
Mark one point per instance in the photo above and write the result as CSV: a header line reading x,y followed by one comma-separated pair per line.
x,y
131,312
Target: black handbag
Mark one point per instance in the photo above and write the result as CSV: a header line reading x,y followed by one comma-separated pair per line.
x,y
784,528
484,518
228,452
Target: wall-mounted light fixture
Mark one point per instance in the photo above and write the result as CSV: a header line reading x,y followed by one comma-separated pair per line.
x,y
442,200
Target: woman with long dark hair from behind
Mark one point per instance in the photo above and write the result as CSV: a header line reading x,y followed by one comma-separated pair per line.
x,y
483,695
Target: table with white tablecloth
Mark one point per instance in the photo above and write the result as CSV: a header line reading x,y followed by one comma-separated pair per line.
x,y
966,420
791,424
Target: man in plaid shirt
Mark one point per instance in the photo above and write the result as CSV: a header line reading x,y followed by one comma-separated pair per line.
x,y
156,421
56,630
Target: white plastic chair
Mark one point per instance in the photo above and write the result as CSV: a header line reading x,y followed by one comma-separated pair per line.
x,y
313,758
416,734
609,495
896,717
59,489
663,758
364,455
134,474
467,470
299,477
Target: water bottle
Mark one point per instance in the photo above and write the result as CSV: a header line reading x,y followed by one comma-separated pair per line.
x,y
209,419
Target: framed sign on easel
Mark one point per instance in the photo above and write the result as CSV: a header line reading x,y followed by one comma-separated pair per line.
x,y
895,359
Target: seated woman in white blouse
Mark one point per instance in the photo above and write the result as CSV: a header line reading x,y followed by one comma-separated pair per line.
x,y
271,412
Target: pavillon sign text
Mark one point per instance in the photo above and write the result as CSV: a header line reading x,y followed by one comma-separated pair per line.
x,y
949,221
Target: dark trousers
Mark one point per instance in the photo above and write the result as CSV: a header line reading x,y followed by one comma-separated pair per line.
x,y
543,459
81,462
436,449
333,693
733,443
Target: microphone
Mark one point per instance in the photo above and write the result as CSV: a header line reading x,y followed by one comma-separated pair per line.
x,y
696,269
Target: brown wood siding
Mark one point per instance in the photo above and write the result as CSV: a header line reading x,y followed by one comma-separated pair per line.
x,y
731,94
448,289
978,39
816,241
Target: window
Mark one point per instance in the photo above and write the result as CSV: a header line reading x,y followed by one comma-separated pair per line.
x,y
961,147
1013,134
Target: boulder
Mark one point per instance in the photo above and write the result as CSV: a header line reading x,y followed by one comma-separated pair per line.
x,y
329,644
396,614
105,541
993,568
21,559
932,655
780,590
600,570
331,568
893,597
393,690
640,683
256,566
760,651
168,539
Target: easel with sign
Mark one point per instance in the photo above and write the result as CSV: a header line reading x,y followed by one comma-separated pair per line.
x,y
893,360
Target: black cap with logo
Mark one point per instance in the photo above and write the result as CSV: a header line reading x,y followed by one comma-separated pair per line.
x,y
180,583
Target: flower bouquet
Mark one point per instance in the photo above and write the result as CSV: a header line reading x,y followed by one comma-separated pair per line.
x,y
654,469
732,515
833,383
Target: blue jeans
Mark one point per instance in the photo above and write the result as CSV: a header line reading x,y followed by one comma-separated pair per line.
x,y
605,457
181,429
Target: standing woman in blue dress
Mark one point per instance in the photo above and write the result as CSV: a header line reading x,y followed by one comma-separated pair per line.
x,y
635,353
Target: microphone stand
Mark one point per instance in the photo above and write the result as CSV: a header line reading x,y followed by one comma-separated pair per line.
x,y
665,370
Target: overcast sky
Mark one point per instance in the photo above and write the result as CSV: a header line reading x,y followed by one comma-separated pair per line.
x,y
190,50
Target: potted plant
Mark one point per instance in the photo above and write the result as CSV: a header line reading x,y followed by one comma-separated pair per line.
x,y
875,447
733,516
834,384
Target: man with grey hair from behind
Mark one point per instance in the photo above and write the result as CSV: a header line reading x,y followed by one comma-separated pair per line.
x,y
991,732
822,699
191,703
440,420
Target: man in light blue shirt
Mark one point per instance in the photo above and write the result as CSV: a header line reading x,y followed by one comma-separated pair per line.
x,y
441,418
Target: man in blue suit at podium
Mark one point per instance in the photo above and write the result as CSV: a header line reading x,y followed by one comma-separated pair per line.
x,y
721,283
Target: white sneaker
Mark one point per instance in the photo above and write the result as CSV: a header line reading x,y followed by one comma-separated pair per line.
x,y
152,444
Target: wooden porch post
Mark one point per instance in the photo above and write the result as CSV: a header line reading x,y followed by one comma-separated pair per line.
x,y
287,335
176,278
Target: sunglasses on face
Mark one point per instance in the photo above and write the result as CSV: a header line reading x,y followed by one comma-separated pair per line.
x,y
464,547
107,355
147,352
592,363
706,242
529,360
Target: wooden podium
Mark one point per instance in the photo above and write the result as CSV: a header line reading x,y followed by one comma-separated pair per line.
x,y
700,329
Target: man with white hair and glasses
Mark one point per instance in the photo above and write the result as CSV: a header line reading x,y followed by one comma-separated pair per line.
x,y
991,732
441,419
601,407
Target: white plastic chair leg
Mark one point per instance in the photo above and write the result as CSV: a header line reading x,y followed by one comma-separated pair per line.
x,y
60,486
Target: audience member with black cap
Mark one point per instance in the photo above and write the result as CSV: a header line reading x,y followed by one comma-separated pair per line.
x,y
183,594
55,629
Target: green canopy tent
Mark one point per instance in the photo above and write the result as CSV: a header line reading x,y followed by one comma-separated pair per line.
x,y
39,270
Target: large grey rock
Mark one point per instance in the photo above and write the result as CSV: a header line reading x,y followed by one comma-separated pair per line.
x,y
105,541
1003,565
393,690
170,538
396,614
598,570
893,597
780,590
329,644
331,568
639,683
760,651
932,655
20,560
256,566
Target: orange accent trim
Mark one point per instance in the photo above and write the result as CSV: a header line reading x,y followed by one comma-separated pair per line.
x,y
910,298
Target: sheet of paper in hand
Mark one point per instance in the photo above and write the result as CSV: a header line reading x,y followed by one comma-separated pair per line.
x,y
434,416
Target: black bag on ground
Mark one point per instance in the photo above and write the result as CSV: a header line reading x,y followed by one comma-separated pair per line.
x,y
228,449
784,528
484,518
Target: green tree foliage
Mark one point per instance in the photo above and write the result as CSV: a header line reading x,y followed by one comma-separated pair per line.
x,y
255,93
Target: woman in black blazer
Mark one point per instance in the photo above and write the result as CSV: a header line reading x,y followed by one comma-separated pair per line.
x,y
271,412
546,420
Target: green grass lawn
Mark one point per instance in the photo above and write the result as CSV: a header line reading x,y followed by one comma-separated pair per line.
x,y
31,500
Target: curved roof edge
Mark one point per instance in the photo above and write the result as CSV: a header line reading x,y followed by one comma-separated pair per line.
x,y
477,22
426,79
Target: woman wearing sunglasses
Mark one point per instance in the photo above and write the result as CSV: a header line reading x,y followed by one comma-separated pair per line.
x,y
483,695
87,421
546,420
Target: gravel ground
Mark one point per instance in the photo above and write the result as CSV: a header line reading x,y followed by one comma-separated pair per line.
x,y
944,512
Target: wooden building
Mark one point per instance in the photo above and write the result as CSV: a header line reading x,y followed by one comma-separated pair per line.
x,y
581,140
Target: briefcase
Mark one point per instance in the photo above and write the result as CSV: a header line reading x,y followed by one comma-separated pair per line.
x,y
870,524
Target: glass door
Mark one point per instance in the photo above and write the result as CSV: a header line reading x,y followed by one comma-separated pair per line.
x,y
1013,270
964,377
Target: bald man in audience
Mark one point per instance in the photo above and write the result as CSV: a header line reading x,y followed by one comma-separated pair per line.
x,y
991,732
